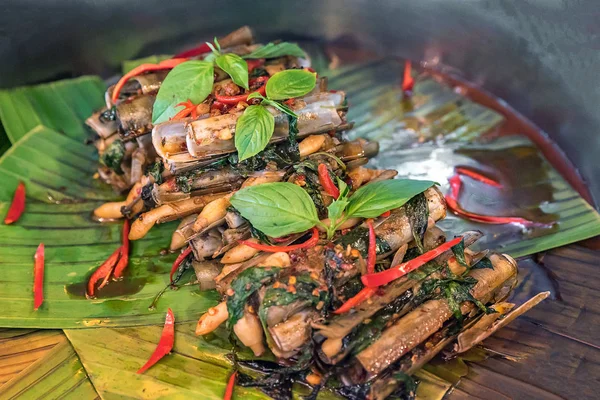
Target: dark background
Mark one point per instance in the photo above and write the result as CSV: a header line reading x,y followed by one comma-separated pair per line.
x,y
541,56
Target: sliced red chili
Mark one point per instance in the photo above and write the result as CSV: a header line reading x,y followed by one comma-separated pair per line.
x,y
372,250
194,52
124,256
233,100
230,385
17,206
314,239
38,277
253,64
408,82
178,262
327,182
386,214
477,176
452,201
102,271
362,296
140,69
398,271
485,219
189,108
165,344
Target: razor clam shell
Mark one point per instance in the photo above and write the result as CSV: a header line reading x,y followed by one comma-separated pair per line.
x,y
319,115
135,115
103,129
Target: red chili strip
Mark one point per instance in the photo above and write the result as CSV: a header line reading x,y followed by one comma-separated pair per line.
x,y
17,206
253,64
38,277
455,185
165,344
233,100
477,176
452,202
485,219
362,296
140,69
196,51
124,256
314,239
327,182
230,385
188,108
387,276
372,250
102,271
178,262
386,214
408,82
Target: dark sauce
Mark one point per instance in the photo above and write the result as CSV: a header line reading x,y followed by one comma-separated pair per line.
x,y
124,287
516,124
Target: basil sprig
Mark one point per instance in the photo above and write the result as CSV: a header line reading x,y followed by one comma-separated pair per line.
x,y
274,50
193,80
254,128
280,209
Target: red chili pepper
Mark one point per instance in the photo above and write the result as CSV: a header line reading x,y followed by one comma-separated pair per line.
x,y
452,202
233,100
165,344
386,214
124,257
398,271
309,69
327,182
140,69
362,296
188,108
178,262
38,277
102,271
230,385
314,239
485,219
17,206
408,82
372,251
455,185
477,176
196,51
252,64
219,106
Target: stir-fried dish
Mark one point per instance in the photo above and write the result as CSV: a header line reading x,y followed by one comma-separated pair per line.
x,y
334,274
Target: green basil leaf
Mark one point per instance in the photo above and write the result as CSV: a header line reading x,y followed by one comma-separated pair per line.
x,y
336,209
374,199
255,95
191,80
281,107
290,83
235,67
274,50
277,209
253,131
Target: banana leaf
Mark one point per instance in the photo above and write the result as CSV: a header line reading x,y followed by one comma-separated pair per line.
x,y
57,167
41,364
195,369
62,106
76,245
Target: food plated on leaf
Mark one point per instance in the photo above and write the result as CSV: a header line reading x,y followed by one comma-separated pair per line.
x,y
333,273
